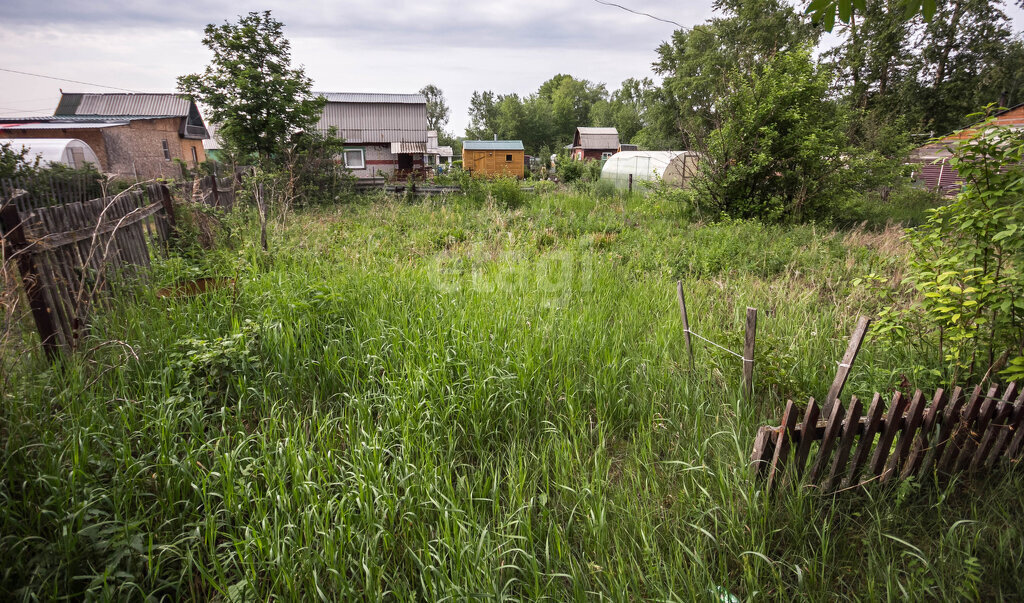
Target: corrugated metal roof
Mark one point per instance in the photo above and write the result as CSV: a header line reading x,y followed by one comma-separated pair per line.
x,y
123,104
597,138
376,122
408,147
372,97
493,145
62,125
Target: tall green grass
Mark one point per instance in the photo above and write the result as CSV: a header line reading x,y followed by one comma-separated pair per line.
x,y
444,400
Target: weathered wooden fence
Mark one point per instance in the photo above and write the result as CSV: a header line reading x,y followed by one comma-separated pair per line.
x,y
913,437
50,189
212,191
69,254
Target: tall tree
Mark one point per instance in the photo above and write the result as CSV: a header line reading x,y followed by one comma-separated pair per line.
x,y
483,115
707,63
961,46
255,97
437,109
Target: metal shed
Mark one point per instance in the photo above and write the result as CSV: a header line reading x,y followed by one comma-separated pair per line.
x,y
672,167
71,152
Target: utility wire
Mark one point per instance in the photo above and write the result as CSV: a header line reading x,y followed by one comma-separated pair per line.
x,y
61,79
643,14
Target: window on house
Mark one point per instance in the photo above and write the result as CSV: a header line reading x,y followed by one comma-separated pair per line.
x,y
354,159
167,151
508,158
195,156
606,155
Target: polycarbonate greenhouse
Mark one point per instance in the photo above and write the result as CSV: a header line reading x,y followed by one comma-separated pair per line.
x,y
672,167
71,152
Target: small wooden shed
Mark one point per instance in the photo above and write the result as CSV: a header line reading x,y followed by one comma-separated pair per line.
x,y
491,158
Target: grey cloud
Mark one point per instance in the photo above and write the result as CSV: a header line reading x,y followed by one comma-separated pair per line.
x,y
525,24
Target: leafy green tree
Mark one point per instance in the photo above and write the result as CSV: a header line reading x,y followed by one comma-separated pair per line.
x,y
437,109
257,99
967,266
626,108
483,115
705,64
960,48
780,149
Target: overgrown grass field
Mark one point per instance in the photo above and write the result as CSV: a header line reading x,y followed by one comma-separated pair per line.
x,y
455,399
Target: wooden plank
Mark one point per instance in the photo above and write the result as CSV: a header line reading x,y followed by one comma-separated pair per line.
x,y
915,416
920,447
1013,423
686,320
947,421
893,422
996,426
749,340
782,444
845,444
803,447
957,428
843,371
973,427
867,438
760,458
17,246
1016,444
833,427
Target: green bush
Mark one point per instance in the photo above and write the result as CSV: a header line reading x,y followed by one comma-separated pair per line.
x,y
506,192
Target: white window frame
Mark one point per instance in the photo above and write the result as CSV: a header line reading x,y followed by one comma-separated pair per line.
x,y
362,159
606,156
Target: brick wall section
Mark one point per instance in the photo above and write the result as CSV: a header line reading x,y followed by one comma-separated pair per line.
x,y
380,161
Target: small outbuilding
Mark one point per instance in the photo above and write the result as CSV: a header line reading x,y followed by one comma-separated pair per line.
x,y
594,143
71,152
672,167
490,158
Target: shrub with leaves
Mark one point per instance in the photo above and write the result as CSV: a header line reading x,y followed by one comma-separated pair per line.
x,y
966,265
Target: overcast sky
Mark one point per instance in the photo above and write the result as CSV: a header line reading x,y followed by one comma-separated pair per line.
x,y
351,46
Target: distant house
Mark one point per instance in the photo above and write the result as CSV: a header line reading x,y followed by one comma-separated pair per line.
x,y
595,143
385,134
933,169
436,154
133,135
493,157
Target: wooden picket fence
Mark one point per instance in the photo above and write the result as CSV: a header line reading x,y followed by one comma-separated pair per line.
x,y
913,437
69,255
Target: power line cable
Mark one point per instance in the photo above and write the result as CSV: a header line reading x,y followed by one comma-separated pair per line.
x,y
641,13
61,79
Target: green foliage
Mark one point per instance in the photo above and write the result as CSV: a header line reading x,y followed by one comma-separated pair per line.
x,y
780,151
506,192
705,65
254,95
967,266
15,162
437,109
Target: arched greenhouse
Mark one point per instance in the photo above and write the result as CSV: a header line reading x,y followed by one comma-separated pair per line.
x,y
673,167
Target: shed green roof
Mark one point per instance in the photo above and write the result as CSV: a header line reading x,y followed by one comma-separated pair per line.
x,y
493,145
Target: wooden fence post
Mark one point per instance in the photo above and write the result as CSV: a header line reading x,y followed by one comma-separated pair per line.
x,y
17,247
631,183
165,198
844,367
214,191
748,353
686,320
